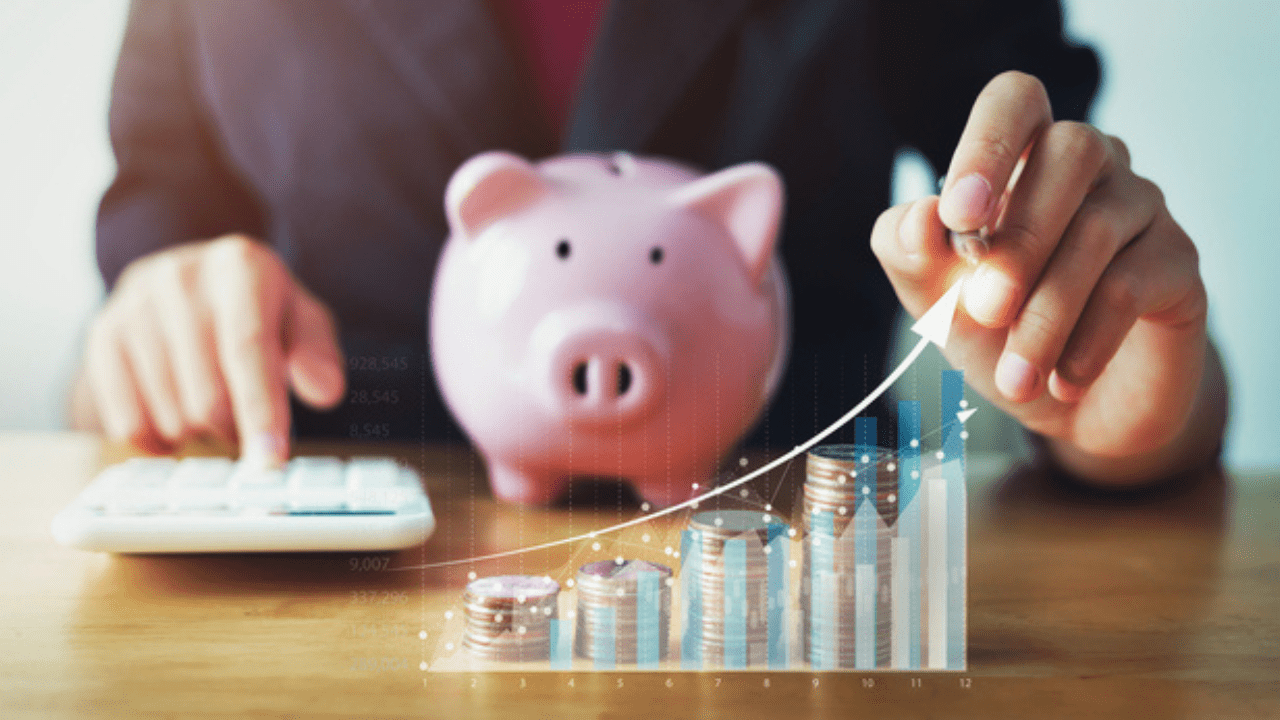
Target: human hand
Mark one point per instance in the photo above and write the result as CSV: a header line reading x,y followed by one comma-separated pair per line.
x,y
207,338
1085,317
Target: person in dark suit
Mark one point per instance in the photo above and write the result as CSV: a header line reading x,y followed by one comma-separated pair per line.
x,y
276,215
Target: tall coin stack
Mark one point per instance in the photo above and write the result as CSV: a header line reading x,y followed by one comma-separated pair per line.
x,y
837,478
508,617
612,605
716,527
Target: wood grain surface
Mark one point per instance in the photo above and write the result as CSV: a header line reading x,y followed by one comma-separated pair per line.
x,y
1164,604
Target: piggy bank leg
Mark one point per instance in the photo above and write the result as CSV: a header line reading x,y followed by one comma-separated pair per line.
x,y
526,485
668,488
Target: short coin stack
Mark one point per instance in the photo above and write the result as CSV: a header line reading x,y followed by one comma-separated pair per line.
x,y
716,527
832,489
610,605
508,617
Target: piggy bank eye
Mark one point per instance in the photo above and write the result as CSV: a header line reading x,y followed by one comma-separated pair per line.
x,y
562,249
655,255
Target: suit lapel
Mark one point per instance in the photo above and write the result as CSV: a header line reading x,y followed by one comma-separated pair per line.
x,y
647,53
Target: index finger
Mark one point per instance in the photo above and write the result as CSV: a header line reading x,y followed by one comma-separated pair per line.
x,y
246,302
1010,112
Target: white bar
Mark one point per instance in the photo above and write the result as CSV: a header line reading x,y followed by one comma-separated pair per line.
x,y
864,656
900,624
936,563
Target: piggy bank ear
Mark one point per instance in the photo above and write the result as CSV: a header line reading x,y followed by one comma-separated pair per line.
x,y
488,187
746,200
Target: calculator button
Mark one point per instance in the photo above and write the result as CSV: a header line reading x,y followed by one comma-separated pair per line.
x,y
250,477
202,473
318,503
316,474
142,505
372,473
146,474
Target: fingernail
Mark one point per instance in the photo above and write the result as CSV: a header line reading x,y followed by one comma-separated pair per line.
x,y
1016,378
263,450
986,293
971,245
969,200
1064,391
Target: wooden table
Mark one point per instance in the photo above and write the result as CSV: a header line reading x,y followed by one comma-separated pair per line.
x,y
1161,606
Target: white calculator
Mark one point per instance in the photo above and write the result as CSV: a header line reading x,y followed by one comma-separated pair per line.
x,y
203,504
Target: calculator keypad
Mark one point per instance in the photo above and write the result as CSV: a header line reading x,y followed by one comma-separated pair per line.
x,y
218,486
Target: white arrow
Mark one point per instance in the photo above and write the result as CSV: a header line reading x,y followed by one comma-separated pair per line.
x,y
933,326
966,414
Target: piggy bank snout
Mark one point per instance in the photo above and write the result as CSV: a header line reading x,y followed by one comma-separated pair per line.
x,y
601,370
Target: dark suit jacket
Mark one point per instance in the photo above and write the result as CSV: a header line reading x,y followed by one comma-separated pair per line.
x,y
329,130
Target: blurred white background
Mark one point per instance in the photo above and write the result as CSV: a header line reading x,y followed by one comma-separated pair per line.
x,y
1193,87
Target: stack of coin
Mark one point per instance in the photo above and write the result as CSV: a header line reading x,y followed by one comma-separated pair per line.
x,y
508,617
716,527
609,604
833,486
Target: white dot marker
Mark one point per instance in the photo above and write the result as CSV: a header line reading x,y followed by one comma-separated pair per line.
x,y
422,666
844,511
448,614
964,403
767,518
791,532
569,582
522,630
667,550
595,546
768,506
694,486
840,479
671,582
676,553
448,646
915,474
866,458
644,537
792,563
644,507
892,498
866,490
520,599
618,560
915,442
719,522
742,492
742,462
939,455
471,575
964,434
891,467
422,634
767,549
694,504
497,618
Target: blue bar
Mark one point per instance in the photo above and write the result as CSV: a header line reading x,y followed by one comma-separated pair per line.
x,y
777,545
605,650
735,604
561,644
822,592
957,522
909,519
647,625
691,605
865,543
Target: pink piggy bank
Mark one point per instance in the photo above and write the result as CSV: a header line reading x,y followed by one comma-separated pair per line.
x,y
608,315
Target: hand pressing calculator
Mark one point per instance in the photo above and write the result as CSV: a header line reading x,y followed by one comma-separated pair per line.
x,y
202,505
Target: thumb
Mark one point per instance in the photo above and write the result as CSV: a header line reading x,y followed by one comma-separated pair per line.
x,y
313,359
